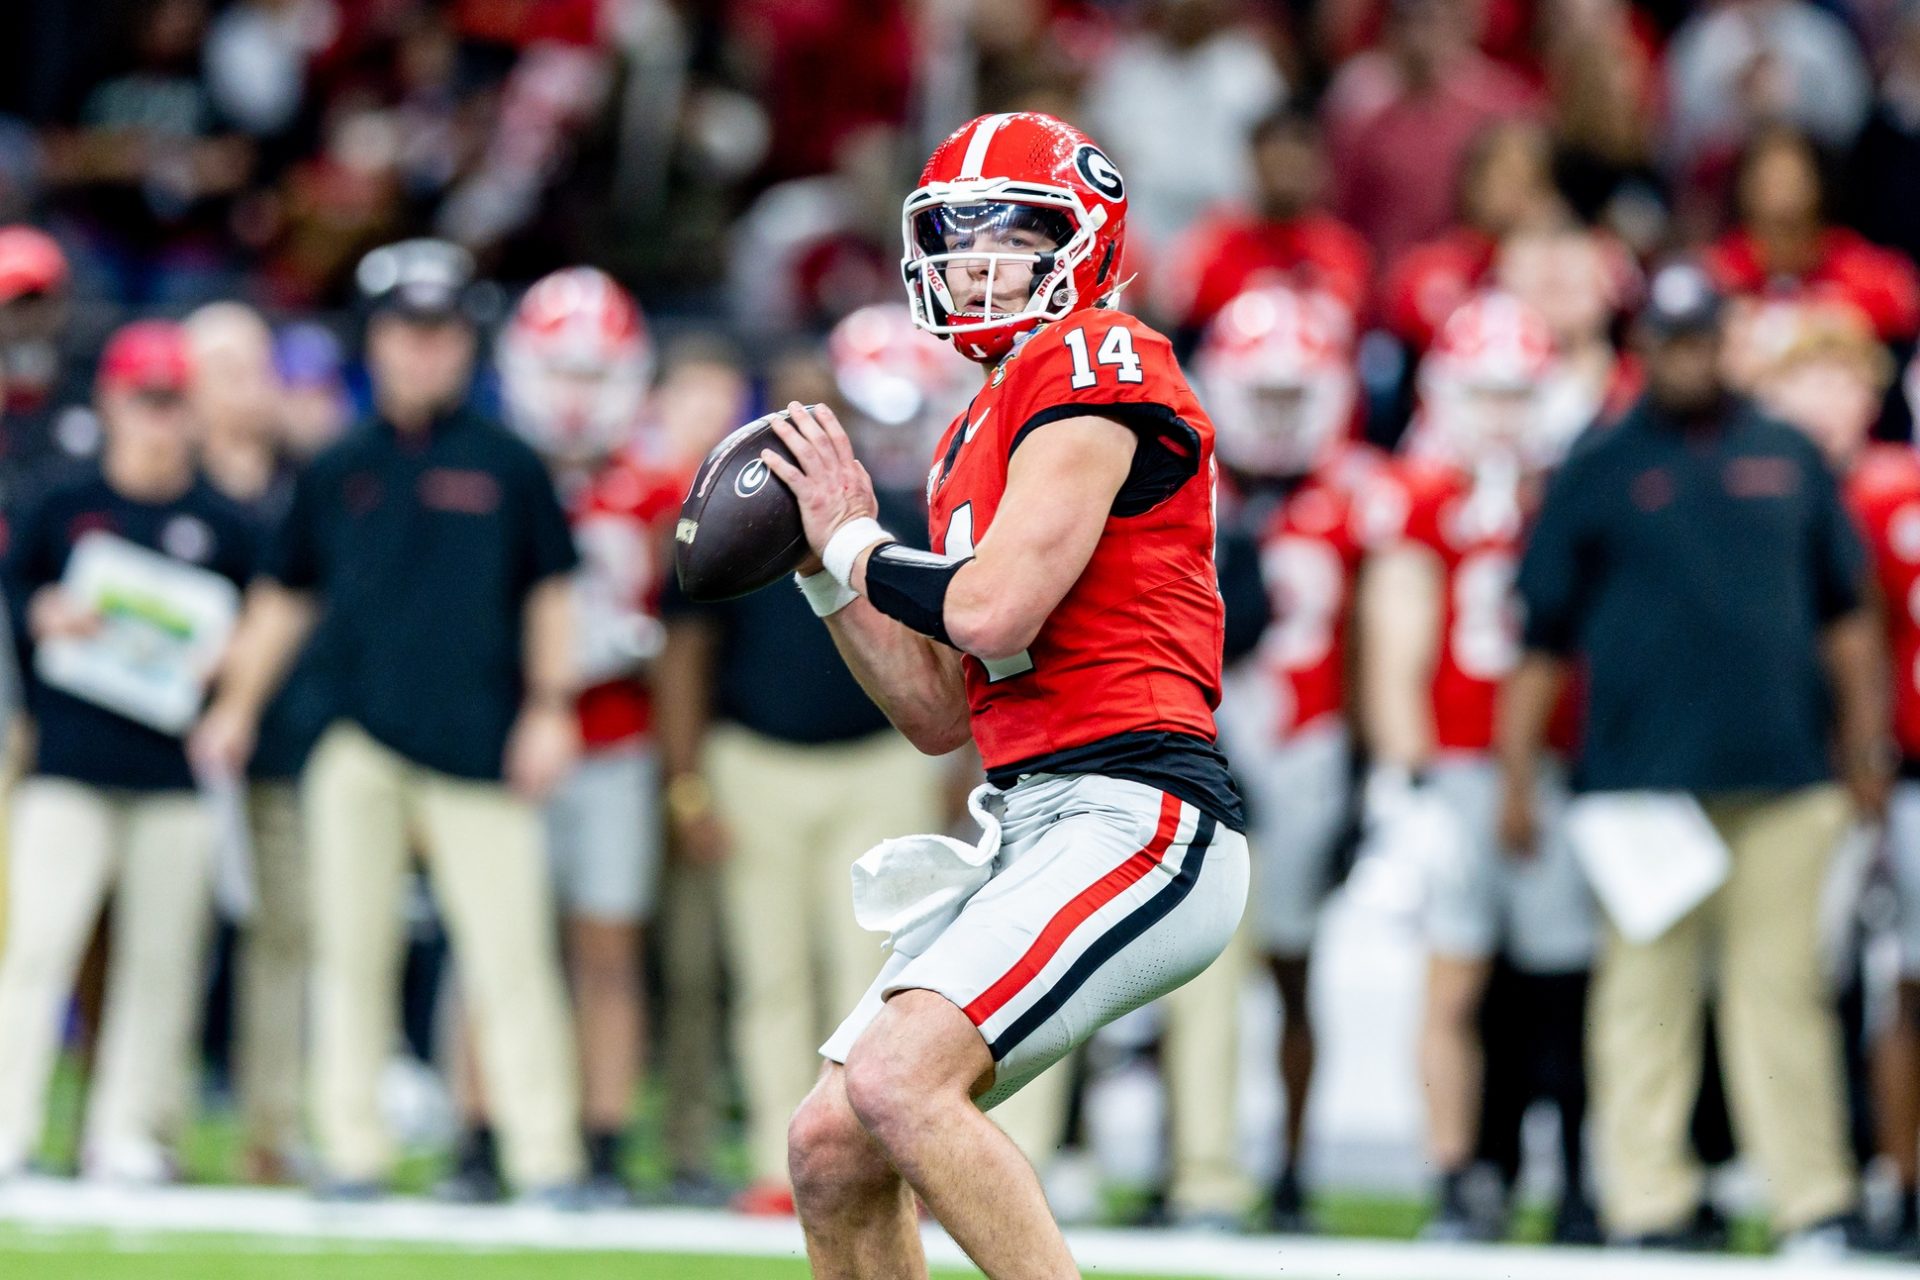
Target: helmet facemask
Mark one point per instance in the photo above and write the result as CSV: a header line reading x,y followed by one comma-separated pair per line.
x,y
1047,232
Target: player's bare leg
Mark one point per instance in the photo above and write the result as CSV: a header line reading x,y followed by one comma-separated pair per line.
x,y
855,1208
912,1078
609,1005
1450,1058
1297,1052
1896,1073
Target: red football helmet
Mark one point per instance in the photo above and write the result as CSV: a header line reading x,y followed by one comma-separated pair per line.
x,y
902,385
893,374
1483,383
1275,368
575,361
1035,215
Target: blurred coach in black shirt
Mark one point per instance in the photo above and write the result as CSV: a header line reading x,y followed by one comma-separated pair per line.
x,y
1696,560
439,548
109,806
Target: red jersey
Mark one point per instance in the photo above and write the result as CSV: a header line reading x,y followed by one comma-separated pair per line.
x,y
1427,504
1310,552
1883,492
622,521
1135,644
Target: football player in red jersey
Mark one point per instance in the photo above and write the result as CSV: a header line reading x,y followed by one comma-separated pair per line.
x,y
1438,633
1069,623
575,361
1276,367
1829,380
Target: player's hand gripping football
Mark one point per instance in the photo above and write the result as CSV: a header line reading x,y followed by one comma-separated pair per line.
x,y
829,482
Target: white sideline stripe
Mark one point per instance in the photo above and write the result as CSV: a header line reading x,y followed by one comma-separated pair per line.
x,y
976,156
294,1222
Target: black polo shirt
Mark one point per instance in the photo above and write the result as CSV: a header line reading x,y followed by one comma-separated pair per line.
x,y
424,547
78,739
303,708
777,671
1692,571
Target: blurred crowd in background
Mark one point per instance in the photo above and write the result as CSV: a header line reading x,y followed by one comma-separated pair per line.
x,y
1402,245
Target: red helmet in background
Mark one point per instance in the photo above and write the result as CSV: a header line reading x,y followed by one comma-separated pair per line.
x,y
1044,202
902,385
1275,368
1483,384
892,373
575,361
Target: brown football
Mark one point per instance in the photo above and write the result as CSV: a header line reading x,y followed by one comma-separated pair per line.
x,y
740,525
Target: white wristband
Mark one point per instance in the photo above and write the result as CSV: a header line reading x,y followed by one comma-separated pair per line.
x,y
846,544
825,593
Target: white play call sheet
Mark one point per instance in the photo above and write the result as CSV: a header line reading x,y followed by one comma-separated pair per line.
x,y
1651,856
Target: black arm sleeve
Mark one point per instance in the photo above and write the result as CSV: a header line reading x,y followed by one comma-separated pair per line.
x,y
549,549
29,565
1167,457
1549,575
1248,608
292,552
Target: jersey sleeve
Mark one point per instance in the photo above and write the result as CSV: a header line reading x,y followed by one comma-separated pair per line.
x,y
1106,364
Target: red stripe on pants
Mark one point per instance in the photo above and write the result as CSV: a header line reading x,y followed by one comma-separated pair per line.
x,y
1071,916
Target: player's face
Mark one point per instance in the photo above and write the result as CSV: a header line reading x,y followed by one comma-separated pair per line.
x,y
988,252
419,365
1830,399
1501,417
1563,277
1011,280
149,420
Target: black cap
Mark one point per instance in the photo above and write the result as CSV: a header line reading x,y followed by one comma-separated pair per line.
x,y
1681,299
423,279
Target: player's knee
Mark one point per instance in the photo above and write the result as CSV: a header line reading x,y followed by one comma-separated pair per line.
x,y
881,1088
828,1153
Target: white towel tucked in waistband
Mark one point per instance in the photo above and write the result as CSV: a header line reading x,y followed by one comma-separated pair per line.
x,y
912,887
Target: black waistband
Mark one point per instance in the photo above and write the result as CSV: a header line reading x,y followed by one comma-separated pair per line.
x,y
1180,764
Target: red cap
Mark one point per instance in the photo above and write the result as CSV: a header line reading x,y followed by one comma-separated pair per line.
x,y
147,355
30,262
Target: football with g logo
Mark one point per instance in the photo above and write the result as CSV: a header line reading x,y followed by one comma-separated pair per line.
x,y
740,526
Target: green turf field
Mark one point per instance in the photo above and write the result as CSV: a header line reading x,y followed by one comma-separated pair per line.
x,y
96,1256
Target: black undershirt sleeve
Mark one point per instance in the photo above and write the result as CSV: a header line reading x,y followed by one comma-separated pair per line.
x,y
1167,457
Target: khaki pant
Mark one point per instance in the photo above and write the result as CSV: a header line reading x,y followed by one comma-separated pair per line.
x,y
484,855
799,816
273,973
72,846
1778,1037
1201,1057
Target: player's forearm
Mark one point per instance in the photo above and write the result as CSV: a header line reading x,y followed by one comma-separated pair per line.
x,y
682,683
913,679
272,631
1856,664
547,665
1523,714
1399,615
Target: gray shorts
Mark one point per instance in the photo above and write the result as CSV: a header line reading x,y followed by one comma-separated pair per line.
x,y
604,837
1903,852
1106,895
1299,795
1539,909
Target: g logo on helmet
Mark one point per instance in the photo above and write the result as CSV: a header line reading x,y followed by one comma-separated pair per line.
x,y
1099,171
752,478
